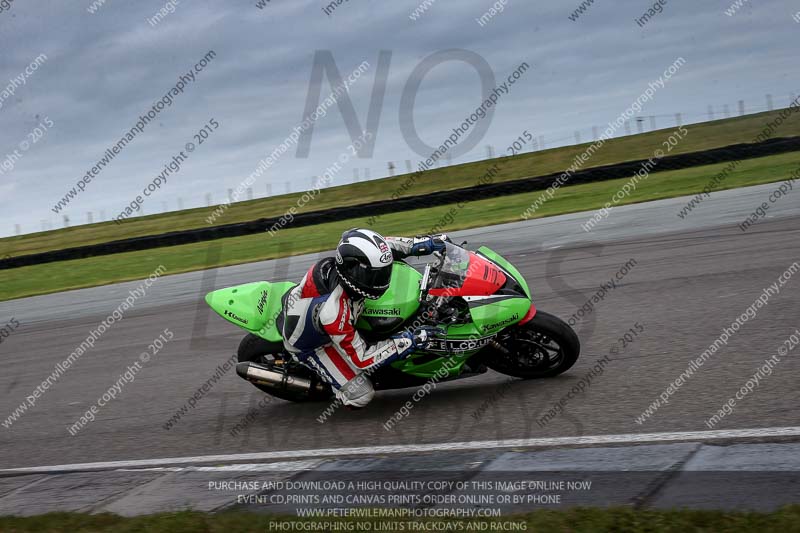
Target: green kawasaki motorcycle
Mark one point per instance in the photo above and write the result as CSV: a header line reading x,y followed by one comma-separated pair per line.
x,y
479,300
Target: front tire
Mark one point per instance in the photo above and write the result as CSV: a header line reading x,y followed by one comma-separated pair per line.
x,y
272,354
544,347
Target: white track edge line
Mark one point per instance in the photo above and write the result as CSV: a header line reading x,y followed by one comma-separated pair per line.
x,y
633,438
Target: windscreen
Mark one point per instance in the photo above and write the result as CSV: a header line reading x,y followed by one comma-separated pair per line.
x,y
454,269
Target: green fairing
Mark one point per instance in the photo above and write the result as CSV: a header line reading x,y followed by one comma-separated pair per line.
x,y
508,267
240,305
439,368
402,296
254,306
494,317
487,320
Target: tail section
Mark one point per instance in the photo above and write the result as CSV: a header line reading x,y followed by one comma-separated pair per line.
x,y
254,307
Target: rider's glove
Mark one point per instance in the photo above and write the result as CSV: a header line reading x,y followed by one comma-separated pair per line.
x,y
424,336
439,242
408,342
429,244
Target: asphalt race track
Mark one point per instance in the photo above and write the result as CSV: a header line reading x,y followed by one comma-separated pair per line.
x,y
691,278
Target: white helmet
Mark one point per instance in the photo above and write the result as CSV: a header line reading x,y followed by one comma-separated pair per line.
x,y
364,263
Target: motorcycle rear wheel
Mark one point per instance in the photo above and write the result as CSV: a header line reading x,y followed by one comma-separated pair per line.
x,y
257,350
544,347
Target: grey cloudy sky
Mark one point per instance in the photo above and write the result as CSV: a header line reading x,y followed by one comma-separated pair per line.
x,y
105,69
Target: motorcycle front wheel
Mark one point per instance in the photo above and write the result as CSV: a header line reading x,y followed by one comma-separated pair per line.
x,y
544,347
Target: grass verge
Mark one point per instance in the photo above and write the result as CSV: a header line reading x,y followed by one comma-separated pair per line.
x,y
93,271
702,136
786,520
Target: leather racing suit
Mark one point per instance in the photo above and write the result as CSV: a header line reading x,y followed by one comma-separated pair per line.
x,y
318,327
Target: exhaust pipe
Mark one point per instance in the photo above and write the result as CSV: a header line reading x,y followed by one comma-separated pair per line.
x,y
262,375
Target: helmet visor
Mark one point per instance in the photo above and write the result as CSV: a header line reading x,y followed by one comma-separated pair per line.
x,y
366,276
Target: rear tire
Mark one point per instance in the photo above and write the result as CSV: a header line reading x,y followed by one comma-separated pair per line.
x,y
544,347
257,350
254,348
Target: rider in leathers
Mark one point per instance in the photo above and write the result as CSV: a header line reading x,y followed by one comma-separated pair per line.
x,y
319,316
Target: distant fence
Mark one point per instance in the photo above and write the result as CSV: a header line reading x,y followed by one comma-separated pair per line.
x,y
491,190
